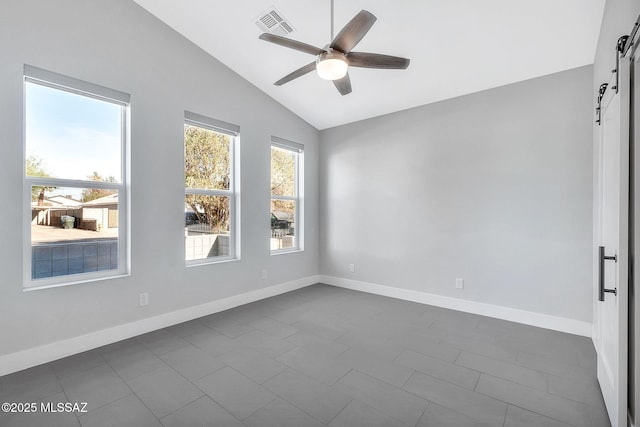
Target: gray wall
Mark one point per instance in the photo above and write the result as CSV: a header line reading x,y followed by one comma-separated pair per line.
x,y
119,45
493,187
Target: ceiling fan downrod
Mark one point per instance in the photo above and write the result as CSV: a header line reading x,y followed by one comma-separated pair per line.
x,y
331,38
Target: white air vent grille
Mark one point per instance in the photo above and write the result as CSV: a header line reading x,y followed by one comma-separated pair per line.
x,y
272,21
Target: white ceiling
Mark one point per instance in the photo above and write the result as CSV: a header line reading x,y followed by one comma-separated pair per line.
x,y
456,47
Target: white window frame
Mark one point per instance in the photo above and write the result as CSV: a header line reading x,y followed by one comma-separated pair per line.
x,y
298,197
61,82
233,131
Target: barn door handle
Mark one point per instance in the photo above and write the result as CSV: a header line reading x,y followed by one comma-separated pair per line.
x,y
602,259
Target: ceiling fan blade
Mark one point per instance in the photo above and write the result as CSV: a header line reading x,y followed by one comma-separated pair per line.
x,y
297,73
343,85
353,32
376,60
291,44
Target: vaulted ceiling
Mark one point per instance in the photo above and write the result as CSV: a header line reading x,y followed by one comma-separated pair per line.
x,y
456,47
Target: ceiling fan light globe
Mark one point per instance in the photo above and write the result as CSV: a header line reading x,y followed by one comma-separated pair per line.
x,y
331,68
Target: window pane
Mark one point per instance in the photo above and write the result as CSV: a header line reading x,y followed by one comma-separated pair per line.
x,y
283,224
283,172
72,136
207,159
207,226
73,231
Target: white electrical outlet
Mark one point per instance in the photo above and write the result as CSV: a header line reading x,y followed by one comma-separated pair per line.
x,y
352,268
144,299
264,274
459,283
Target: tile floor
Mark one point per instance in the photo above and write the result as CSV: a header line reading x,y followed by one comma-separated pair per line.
x,y
323,356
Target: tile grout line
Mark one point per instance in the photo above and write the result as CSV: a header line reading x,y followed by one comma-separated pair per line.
x,y
85,371
517,406
429,403
66,395
133,392
341,410
219,403
300,409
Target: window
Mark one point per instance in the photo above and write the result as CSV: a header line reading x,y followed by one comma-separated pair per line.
x,y
211,183
75,180
286,195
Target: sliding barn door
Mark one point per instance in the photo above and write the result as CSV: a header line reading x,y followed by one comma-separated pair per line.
x,y
634,333
612,253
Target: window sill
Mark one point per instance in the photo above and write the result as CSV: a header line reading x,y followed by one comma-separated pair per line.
x,y
48,284
209,261
286,251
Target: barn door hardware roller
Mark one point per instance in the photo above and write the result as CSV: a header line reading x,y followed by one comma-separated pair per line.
x,y
620,49
622,46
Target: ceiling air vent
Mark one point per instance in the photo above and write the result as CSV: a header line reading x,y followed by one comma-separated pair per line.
x,y
272,21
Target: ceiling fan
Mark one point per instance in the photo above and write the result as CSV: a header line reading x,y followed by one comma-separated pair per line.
x,y
333,61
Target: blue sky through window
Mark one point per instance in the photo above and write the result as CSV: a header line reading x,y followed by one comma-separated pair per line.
x,y
73,135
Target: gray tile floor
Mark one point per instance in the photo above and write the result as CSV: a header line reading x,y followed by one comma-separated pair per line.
x,y
323,356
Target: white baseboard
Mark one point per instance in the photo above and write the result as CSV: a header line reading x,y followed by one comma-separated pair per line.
x,y
24,359
547,321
